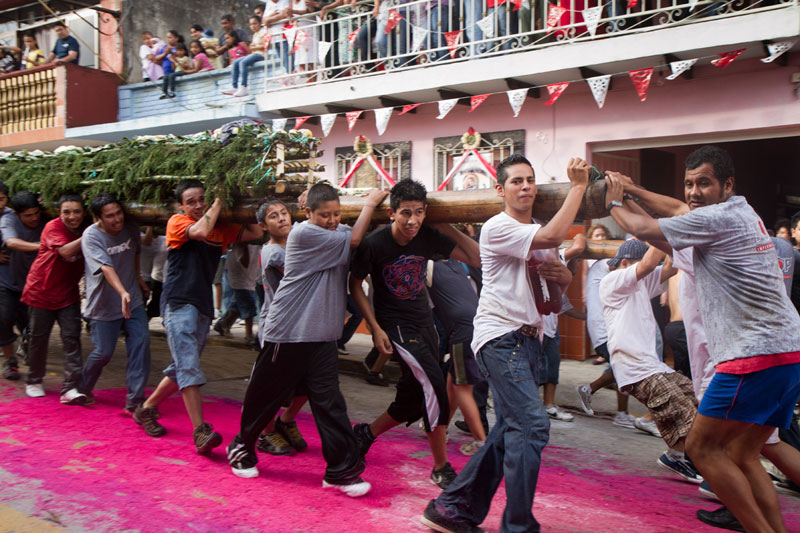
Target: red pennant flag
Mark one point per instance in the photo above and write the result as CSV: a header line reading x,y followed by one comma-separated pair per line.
x,y
352,37
453,38
641,80
517,4
299,121
393,20
554,17
299,38
352,118
555,90
476,100
267,40
727,58
407,108
632,3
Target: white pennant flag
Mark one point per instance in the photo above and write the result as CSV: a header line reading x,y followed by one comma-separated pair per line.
x,y
591,17
679,67
290,34
279,124
418,34
323,47
445,106
599,87
486,25
516,98
327,123
382,116
776,50
692,4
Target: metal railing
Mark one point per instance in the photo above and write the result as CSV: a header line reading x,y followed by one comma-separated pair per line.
x,y
354,42
28,100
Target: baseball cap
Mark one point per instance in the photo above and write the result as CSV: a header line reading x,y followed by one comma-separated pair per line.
x,y
630,249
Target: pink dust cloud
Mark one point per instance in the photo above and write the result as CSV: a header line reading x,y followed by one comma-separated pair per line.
x,y
95,469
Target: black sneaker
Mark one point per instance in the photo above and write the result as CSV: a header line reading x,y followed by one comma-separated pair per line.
x,y
342,350
721,518
439,522
146,417
274,444
376,378
364,437
23,350
371,359
443,476
205,438
219,328
462,425
291,433
11,369
243,463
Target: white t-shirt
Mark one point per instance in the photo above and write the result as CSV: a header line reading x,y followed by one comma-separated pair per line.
x,y
630,324
595,320
276,28
550,322
703,368
506,303
159,258
257,41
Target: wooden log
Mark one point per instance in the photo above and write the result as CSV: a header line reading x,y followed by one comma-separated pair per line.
x,y
597,249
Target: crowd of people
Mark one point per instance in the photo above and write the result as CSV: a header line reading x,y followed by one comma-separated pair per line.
x,y
495,300
29,55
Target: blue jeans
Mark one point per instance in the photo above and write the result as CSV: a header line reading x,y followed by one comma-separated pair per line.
x,y
137,345
506,24
473,11
514,446
187,332
242,65
438,24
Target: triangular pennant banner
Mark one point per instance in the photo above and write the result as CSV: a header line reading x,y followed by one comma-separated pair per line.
x,y
554,17
393,20
299,38
776,50
727,58
352,118
323,47
407,108
516,98
641,80
476,100
632,3
418,34
267,40
517,4
555,90
289,32
692,4
279,124
453,38
591,17
326,121
299,121
679,67
486,26
352,37
599,87
382,117
445,106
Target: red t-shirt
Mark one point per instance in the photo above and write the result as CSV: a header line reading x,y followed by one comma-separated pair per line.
x,y
52,282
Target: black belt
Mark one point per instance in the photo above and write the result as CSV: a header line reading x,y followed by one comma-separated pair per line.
x,y
529,331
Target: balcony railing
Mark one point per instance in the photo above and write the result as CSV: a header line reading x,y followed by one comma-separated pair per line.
x,y
28,100
360,44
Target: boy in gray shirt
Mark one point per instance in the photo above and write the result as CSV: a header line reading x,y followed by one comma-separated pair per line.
x,y
303,323
114,300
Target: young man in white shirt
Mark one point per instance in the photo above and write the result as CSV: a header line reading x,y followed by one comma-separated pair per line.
x,y
508,347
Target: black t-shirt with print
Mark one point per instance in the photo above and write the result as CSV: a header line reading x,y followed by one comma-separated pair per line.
x,y
398,273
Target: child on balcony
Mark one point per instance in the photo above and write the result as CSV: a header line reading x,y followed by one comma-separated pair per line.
x,y
236,47
180,63
241,65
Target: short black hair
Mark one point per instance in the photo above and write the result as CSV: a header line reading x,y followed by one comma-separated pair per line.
x,y
320,193
60,23
261,212
256,18
510,161
719,158
189,183
24,200
235,35
227,16
100,201
197,27
3,188
782,223
181,46
795,219
407,190
147,33
69,197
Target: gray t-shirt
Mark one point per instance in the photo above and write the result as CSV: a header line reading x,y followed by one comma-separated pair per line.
x,y
242,265
13,275
310,302
786,255
118,251
271,267
740,288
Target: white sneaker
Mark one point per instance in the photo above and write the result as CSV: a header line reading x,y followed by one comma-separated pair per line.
x,y
557,414
229,92
73,397
585,397
624,420
35,390
241,92
359,487
647,426
471,448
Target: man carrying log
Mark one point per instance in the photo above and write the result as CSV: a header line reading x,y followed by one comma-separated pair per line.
x,y
194,245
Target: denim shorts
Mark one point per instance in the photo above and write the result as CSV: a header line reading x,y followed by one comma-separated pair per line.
x,y
187,331
244,303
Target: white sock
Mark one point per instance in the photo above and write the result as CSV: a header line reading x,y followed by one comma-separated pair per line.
x,y
675,455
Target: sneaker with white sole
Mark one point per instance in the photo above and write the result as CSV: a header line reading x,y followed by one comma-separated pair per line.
x,y
242,462
706,490
35,390
443,476
242,91
647,426
557,414
205,438
355,488
471,448
229,92
585,397
624,420
680,467
73,397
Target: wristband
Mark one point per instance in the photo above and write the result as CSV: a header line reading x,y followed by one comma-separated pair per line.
x,y
612,204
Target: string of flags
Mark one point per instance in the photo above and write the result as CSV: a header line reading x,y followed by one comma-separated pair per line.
x,y
598,85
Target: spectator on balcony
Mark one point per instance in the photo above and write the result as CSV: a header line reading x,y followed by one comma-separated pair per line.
x,y
162,55
200,61
236,48
8,61
151,69
258,11
206,38
505,21
29,57
376,30
241,65
440,16
67,49
275,12
180,62
306,53
223,45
